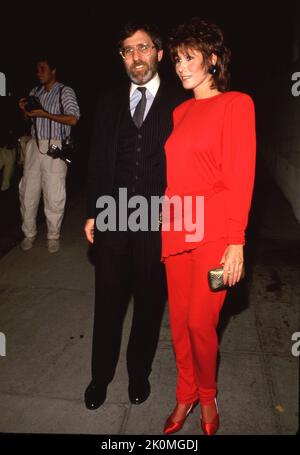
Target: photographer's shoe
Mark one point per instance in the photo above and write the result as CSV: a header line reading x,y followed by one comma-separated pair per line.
x,y
53,245
27,243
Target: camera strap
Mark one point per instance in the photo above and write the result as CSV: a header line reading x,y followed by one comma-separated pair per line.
x,y
35,128
61,107
62,112
37,137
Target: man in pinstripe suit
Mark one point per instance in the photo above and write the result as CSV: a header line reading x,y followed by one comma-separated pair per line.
x,y
51,124
132,124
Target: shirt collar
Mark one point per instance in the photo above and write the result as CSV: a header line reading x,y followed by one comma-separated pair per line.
x,y
54,87
152,86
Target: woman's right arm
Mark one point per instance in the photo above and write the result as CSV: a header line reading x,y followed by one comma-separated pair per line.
x,y
238,169
238,164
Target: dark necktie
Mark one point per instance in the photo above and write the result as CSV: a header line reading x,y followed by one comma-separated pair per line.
x,y
139,112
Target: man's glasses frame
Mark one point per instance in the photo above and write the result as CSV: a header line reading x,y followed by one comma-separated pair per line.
x,y
142,48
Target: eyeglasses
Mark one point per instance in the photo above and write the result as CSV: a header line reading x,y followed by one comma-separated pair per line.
x,y
144,49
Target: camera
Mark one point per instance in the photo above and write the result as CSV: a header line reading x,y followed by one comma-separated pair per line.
x,y
32,103
64,153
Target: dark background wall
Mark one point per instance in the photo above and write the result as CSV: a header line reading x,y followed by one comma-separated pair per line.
x,y
261,36
84,36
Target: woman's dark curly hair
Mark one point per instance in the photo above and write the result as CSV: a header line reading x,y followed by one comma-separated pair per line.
x,y
206,37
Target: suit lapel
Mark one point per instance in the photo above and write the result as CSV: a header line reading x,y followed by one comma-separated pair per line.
x,y
121,105
155,104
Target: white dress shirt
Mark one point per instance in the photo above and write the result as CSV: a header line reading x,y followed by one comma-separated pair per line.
x,y
151,90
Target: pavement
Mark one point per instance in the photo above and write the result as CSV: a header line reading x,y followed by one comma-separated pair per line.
x,y
46,316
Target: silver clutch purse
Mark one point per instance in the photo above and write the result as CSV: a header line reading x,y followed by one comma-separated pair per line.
x,y
215,279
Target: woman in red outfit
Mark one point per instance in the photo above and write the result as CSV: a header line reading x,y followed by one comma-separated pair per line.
x,y
210,153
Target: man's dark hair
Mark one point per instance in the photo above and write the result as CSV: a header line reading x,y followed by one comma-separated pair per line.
x,y
50,59
131,28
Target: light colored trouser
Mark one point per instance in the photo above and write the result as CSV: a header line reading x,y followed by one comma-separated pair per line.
x,y
7,161
42,173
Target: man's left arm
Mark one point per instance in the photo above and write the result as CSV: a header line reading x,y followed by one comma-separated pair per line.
x,y
71,110
64,119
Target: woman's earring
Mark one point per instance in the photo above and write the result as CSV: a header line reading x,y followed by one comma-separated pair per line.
x,y
212,69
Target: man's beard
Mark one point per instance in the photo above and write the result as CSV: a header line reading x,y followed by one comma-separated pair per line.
x,y
145,75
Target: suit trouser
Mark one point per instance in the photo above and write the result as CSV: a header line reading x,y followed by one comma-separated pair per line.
x,y
42,174
127,263
194,315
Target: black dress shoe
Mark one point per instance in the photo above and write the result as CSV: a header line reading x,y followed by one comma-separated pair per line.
x,y
139,391
95,395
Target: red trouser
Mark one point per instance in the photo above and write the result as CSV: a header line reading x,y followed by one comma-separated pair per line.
x,y
194,315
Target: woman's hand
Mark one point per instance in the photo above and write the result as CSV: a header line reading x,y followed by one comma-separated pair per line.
x,y
232,259
89,229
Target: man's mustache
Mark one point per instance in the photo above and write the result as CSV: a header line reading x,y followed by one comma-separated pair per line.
x,y
139,63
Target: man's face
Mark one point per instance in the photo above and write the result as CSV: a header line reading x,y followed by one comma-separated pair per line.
x,y
44,74
141,68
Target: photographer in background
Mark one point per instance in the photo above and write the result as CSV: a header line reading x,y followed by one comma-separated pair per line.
x,y
53,109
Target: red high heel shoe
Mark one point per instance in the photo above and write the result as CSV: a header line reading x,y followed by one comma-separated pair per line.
x,y
210,428
173,427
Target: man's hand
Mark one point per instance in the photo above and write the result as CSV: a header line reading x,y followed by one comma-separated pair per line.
x,y
22,103
37,113
233,259
33,113
89,229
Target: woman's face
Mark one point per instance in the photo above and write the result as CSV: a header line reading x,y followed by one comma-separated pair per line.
x,y
191,69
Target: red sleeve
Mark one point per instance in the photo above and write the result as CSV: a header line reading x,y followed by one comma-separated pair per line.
x,y
238,164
